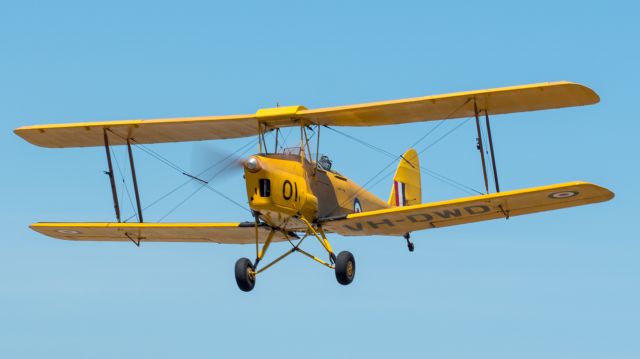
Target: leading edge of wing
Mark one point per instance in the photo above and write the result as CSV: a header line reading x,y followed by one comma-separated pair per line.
x,y
89,134
224,233
501,100
400,220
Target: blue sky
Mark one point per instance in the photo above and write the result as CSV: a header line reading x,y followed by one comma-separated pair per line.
x,y
556,285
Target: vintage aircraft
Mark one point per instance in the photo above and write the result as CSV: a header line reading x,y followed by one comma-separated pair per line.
x,y
293,194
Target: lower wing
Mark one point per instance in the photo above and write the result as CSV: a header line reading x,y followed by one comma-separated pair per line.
x,y
227,233
401,220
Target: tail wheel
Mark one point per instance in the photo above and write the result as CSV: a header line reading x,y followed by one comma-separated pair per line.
x,y
345,268
245,275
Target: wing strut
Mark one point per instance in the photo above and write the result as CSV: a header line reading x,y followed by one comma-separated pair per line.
x,y
493,156
111,178
480,147
135,181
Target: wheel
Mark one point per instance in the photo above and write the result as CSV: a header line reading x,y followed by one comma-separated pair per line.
x,y
345,268
245,277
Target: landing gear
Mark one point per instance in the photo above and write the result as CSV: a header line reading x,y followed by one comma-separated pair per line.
x,y
245,275
345,268
344,264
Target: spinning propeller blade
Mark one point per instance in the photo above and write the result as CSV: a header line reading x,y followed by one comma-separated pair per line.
x,y
210,162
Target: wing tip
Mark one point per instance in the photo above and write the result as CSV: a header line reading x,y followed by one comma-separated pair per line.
x,y
27,133
589,95
604,194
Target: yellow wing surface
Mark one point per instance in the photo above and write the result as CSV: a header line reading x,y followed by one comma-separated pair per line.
x,y
496,101
400,220
227,233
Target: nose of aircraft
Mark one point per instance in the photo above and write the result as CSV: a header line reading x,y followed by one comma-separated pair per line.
x,y
252,164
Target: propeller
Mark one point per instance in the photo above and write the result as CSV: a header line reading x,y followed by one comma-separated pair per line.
x,y
210,162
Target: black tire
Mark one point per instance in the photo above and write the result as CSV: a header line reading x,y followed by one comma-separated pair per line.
x,y
244,275
345,268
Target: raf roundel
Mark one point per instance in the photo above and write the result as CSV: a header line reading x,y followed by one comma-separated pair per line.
x,y
564,194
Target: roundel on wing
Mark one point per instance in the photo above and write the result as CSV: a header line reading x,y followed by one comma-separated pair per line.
x,y
357,207
564,194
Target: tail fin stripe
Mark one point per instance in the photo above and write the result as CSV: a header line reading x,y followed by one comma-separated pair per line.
x,y
395,184
400,193
404,195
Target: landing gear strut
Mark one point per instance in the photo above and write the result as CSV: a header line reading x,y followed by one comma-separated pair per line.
x,y
343,264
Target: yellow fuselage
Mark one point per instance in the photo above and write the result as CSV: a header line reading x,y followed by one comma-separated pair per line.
x,y
282,187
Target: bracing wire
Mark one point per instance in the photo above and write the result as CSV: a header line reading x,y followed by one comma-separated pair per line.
x,y
285,138
444,136
428,172
177,168
205,184
440,123
208,186
431,173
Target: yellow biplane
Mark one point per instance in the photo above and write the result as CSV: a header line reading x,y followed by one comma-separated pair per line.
x,y
294,194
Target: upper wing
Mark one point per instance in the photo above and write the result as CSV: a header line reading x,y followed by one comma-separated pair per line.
x,y
89,134
496,101
401,220
541,96
227,233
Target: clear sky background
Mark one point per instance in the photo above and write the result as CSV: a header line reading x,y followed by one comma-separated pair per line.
x,y
559,284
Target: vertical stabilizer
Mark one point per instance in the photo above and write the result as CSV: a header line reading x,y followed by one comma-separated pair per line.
x,y
406,189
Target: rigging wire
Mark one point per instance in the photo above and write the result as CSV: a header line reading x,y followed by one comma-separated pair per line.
x,y
206,184
445,135
431,173
196,178
362,142
441,122
287,137
157,156
462,187
459,186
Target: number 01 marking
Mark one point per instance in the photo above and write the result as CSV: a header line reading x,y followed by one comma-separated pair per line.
x,y
289,190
